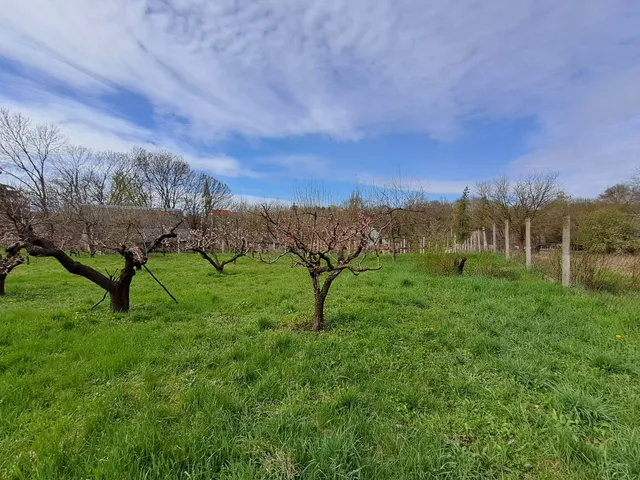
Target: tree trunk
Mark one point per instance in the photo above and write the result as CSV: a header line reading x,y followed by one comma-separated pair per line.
x,y
318,315
320,292
460,265
120,298
120,293
2,279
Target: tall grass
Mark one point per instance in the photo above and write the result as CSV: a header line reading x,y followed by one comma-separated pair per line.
x,y
417,376
440,263
594,270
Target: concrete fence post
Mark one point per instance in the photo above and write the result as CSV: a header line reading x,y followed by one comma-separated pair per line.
x,y
527,248
506,239
566,252
495,239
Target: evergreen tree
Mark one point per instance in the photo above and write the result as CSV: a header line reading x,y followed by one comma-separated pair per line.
x,y
462,217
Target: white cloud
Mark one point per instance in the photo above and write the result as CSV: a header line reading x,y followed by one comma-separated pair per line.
x,y
430,186
315,168
255,200
301,167
353,68
98,129
592,139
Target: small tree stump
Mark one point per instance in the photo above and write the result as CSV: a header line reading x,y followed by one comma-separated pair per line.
x,y
459,264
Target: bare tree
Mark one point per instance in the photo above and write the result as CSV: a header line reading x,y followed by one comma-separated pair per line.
x,y
400,205
70,183
10,261
433,221
626,194
78,179
27,153
15,213
619,194
204,243
165,175
99,176
325,241
204,195
504,199
127,187
116,285
228,232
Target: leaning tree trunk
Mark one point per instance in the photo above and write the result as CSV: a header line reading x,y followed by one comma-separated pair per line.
x,y
134,258
8,263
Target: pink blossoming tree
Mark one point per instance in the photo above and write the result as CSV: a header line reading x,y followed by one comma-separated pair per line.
x,y
325,241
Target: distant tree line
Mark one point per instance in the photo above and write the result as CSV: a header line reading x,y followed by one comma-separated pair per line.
x,y
609,223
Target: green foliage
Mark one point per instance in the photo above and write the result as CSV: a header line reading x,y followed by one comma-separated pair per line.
x,y
441,263
417,376
127,190
462,217
609,230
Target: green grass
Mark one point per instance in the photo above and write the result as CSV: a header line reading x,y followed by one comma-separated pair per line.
x,y
417,376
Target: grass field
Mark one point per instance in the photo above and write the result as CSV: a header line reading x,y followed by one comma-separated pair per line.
x,y
415,377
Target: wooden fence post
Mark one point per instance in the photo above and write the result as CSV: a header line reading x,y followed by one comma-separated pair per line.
x,y
566,252
527,248
485,246
506,239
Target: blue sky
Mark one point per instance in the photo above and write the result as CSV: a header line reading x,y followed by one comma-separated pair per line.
x,y
271,94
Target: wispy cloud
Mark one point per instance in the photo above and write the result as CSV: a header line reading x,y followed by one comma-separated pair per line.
x,y
256,200
315,168
430,186
592,138
350,69
99,129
